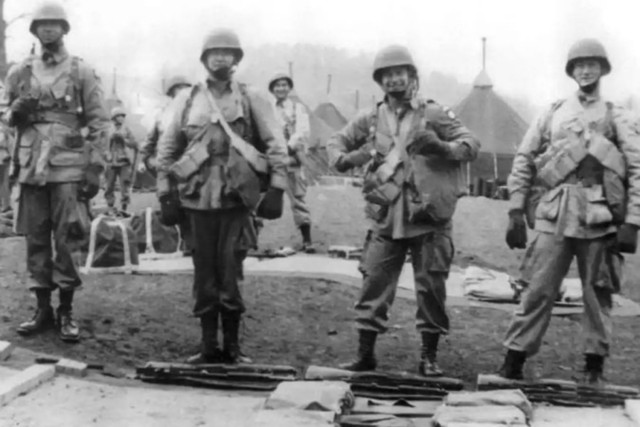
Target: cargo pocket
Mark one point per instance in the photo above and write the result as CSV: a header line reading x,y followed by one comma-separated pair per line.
x,y
376,212
440,250
615,194
549,205
597,210
71,151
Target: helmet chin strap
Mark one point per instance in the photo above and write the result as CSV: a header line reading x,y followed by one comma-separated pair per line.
x,y
590,88
223,73
54,46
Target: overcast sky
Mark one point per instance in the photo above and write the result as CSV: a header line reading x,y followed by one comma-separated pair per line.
x,y
527,40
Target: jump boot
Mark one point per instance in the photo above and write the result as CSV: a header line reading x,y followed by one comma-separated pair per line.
x,y
307,244
513,364
43,318
428,366
68,329
231,352
209,352
593,368
366,360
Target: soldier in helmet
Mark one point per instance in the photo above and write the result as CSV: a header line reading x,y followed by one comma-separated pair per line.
x,y
119,167
220,149
51,96
294,121
414,149
148,151
578,171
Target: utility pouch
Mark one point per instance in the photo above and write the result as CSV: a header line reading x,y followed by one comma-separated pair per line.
x,y
597,211
191,161
563,163
615,194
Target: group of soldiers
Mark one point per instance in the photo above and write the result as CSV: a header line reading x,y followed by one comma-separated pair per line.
x,y
225,155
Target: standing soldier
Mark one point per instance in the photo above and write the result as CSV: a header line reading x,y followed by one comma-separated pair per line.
x,y
294,121
148,151
119,168
582,159
52,96
412,185
6,149
220,148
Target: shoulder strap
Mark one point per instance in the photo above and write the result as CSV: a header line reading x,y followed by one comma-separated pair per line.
x,y
609,124
246,104
546,122
187,107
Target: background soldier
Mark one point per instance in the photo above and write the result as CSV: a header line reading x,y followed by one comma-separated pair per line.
x,y
585,154
294,121
148,152
51,97
119,167
219,135
412,186
6,149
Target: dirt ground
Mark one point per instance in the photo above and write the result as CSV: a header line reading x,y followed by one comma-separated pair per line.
x,y
128,320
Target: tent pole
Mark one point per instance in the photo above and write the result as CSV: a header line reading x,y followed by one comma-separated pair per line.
x,y
328,84
469,177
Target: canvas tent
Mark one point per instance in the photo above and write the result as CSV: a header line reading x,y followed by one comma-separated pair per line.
x,y
498,127
330,114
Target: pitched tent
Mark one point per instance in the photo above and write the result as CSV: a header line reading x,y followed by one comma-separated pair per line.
x,y
497,125
330,114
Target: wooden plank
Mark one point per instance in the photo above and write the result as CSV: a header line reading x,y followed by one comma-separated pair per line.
x,y
71,367
25,381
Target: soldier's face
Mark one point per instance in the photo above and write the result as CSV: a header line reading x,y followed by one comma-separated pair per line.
x,y
220,58
49,31
395,80
587,72
119,119
281,89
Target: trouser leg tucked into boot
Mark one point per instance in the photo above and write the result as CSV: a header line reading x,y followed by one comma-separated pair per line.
x,y
231,352
428,366
68,329
366,360
593,368
210,351
43,318
513,365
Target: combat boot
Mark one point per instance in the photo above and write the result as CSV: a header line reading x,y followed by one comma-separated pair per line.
x,y
366,359
513,365
307,244
43,318
68,329
231,352
593,369
209,352
428,367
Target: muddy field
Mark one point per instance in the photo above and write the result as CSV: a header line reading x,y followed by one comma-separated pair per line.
x,y
128,320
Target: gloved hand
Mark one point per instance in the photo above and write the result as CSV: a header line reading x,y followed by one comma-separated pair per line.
x,y
170,211
517,230
426,142
89,187
22,110
628,238
270,206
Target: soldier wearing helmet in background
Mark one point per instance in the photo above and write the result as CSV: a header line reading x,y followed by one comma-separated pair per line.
x,y
148,151
415,149
578,170
51,97
294,121
120,158
220,149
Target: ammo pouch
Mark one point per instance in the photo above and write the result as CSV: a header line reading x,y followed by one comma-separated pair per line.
x,y
380,187
615,193
193,158
563,162
431,193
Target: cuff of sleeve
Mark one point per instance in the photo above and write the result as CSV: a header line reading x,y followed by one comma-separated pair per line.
x,y
163,184
633,219
278,181
517,200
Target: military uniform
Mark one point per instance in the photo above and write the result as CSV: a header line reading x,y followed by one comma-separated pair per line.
x,y
411,208
6,149
52,96
216,204
294,122
121,143
577,174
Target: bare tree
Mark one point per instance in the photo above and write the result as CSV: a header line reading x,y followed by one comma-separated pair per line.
x,y
4,25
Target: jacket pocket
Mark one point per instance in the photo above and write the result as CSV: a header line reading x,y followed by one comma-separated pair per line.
x,y
549,205
597,210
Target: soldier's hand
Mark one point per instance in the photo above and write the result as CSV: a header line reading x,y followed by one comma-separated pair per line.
x,y
426,142
89,187
517,230
628,238
270,206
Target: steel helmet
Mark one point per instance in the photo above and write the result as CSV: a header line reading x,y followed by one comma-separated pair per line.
x,y
587,48
117,111
222,39
392,56
277,77
49,11
176,81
